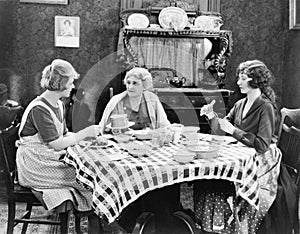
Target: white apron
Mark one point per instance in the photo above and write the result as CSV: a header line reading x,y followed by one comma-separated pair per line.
x,y
39,168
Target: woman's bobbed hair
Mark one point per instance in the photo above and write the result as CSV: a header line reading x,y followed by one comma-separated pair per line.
x,y
56,75
142,74
261,76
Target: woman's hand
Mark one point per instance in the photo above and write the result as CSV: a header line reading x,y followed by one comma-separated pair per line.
x,y
91,131
226,126
208,110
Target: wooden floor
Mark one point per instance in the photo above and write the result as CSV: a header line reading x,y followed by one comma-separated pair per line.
x,y
186,200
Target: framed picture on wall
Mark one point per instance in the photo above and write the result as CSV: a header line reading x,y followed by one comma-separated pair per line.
x,y
46,1
294,14
67,31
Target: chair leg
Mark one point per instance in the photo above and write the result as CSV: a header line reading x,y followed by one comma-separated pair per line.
x,y
296,221
64,218
94,224
27,216
11,216
77,225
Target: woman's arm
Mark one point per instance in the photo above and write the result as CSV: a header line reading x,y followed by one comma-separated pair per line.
x,y
265,127
72,138
42,121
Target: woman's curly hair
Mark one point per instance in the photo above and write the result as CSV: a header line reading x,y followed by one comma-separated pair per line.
x,y
261,76
142,74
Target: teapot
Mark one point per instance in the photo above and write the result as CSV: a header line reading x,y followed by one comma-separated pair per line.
x,y
177,82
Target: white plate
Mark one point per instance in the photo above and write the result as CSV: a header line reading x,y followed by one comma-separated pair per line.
x,y
138,20
101,146
173,18
94,145
130,123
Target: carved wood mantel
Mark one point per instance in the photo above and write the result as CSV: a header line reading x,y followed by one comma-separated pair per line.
x,y
215,61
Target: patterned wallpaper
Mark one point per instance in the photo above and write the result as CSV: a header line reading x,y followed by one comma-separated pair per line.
x,y
31,47
260,29
291,84
259,32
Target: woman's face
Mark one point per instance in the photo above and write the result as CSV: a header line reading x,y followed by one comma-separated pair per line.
x,y
134,87
69,86
243,83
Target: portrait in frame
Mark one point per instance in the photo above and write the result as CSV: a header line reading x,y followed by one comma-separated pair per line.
x,y
67,31
294,10
65,2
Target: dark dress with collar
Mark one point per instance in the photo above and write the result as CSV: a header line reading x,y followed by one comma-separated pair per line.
x,y
256,129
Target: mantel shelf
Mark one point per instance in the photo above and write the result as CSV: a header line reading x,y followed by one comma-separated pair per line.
x,y
192,90
182,33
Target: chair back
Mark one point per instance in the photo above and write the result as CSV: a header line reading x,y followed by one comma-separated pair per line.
x,y
289,138
8,149
289,117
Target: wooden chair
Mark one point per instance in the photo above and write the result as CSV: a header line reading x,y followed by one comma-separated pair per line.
x,y
289,117
289,144
17,193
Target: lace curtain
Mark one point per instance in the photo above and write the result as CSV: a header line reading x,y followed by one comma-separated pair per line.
x,y
185,55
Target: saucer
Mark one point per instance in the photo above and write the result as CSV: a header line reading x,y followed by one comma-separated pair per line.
x,y
130,123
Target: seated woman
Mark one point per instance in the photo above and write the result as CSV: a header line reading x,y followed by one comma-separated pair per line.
x,y
141,106
251,121
145,110
43,138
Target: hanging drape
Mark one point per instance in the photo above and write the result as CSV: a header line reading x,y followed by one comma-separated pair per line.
x,y
185,55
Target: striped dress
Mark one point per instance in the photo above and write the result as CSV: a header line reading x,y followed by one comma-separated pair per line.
x,y
39,167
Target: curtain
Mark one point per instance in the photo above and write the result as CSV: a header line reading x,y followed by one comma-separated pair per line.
x,y
185,55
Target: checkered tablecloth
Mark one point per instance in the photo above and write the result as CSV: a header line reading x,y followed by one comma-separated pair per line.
x,y
116,184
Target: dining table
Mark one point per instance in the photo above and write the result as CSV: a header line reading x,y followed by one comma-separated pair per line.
x,y
117,178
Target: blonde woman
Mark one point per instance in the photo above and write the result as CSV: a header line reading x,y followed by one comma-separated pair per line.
x,y
138,102
43,140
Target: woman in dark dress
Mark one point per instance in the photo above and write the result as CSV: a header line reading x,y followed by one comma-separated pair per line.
x,y
251,121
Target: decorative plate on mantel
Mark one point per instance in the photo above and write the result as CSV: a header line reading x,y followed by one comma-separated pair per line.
x,y
173,18
138,20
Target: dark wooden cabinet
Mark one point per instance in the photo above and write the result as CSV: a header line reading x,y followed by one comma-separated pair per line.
x,y
182,105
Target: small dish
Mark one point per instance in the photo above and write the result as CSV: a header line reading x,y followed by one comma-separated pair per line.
x,y
101,146
190,129
130,123
143,137
204,151
85,143
138,20
183,155
137,150
122,138
154,26
143,134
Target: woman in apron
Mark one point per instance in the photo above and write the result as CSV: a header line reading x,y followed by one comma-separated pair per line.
x,y
44,138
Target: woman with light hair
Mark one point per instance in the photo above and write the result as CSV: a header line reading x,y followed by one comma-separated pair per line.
x,y
43,140
138,102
